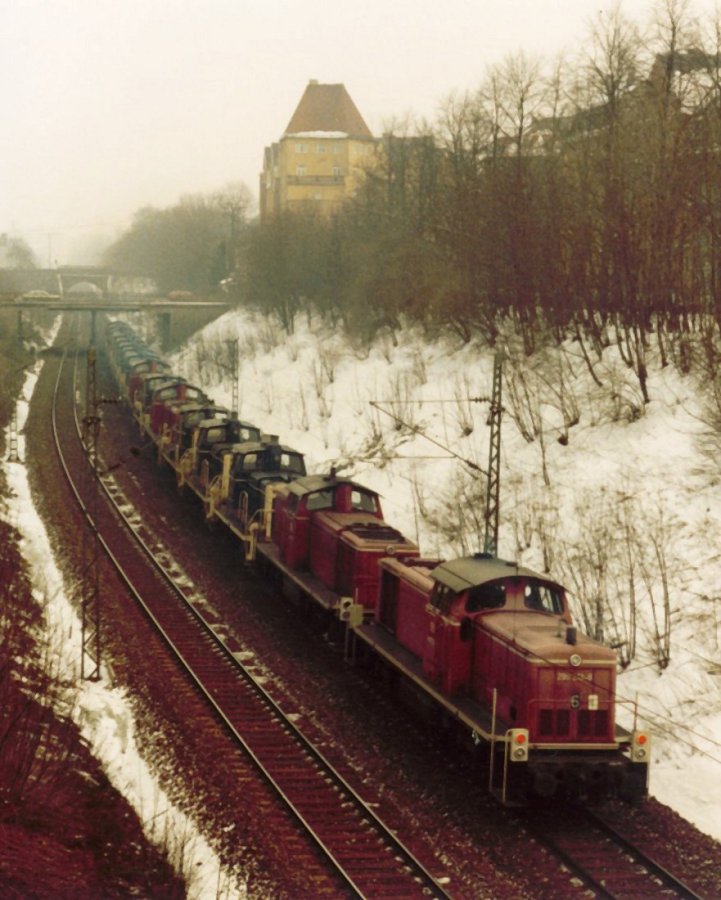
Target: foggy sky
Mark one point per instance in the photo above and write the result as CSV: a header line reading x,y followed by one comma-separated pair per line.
x,y
112,105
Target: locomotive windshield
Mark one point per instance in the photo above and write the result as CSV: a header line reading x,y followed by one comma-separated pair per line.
x,y
214,435
191,419
246,433
259,461
293,463
542,597
320,500
363,501
486,596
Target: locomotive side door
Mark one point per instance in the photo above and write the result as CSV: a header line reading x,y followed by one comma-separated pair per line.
x,y
435,655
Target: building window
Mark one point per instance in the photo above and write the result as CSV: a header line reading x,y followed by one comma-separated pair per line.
x,y
320,148
336,148
301,148
300,170
336,171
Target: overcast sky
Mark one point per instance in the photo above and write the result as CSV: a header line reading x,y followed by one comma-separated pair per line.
x,y
111,105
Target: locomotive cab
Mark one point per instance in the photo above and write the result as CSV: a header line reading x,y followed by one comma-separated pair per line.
x,y
498,630
334,528
247,469
187,417
147,384
218,433
493,631
496,642
164,398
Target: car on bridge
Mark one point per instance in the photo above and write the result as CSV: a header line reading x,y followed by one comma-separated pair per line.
x,y
36,296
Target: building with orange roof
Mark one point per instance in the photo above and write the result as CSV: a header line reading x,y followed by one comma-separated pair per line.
x,y
321,156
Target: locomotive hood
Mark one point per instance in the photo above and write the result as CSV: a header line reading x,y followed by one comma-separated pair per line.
x,y
546,640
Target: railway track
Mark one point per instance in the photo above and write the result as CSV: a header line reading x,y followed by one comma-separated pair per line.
x,y
358,851
607,863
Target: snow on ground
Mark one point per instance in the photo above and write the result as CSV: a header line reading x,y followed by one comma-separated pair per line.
x,y
628,505
100,710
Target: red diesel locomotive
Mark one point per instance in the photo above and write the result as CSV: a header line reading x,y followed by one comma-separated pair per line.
x,y
486,644
492,643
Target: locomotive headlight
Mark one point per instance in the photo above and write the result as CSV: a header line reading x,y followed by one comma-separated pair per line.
x,y
575,659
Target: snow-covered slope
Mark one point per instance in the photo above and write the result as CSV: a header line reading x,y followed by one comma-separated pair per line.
x,y
102,711
615,498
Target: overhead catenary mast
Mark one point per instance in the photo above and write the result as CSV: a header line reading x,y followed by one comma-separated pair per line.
x,y
493,484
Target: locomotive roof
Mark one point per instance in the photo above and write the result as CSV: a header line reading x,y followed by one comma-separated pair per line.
x,y
311,483
222,419
186,407
257,447
173,382
168,377
470,571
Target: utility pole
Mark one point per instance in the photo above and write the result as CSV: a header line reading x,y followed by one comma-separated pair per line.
x,y
234,364
493,485
13,455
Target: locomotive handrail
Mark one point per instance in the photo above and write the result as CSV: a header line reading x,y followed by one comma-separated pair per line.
x,y
213,493
492,740
185,467
243,508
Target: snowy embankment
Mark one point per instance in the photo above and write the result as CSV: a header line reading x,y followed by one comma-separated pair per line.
x,y
100,710
613,497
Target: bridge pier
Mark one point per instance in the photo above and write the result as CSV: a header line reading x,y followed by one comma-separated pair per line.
x,y
164,330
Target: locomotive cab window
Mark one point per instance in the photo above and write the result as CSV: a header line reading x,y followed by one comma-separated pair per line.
x,y
486,596
249,462
363,502
320,500
542,597
214,435
442,598
292,462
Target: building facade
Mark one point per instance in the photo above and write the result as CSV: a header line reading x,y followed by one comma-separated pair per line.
x,y
321,156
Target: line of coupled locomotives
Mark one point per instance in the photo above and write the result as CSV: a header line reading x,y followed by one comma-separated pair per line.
x,y
486,646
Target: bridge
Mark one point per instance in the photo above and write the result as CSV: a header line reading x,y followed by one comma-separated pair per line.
x,y
177,319
65,279
96,289
68,304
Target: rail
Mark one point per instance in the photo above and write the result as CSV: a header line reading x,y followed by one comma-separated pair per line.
x,y
368,857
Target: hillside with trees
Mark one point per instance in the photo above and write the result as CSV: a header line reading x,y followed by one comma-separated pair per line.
x,y
579,200
567,200
190,246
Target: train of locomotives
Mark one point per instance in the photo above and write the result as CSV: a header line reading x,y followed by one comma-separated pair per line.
x,y
483,643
